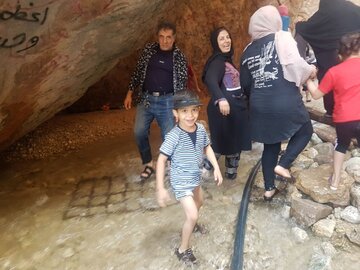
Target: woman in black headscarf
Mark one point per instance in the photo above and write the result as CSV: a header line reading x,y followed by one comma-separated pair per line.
x,y
227,109
323,31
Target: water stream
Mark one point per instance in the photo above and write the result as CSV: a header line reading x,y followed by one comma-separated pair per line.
x,y
87,210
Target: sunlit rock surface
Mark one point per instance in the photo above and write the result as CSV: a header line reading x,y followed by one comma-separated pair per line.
x,y
314,182
52,51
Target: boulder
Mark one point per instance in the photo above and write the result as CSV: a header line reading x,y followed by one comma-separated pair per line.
x,y
314,183
355,196
324,227
352,166
307,212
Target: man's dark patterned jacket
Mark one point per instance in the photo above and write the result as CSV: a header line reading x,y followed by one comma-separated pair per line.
x,y
138,77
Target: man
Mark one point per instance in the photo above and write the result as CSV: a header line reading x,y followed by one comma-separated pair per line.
x,y
160,72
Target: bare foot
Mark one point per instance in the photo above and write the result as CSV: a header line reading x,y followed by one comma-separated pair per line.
x,y
332,185
269,193
282,171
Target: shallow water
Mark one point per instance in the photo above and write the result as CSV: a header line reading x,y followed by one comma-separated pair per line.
x,y
87,210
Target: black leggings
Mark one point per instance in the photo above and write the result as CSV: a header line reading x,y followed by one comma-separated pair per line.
x,y
269,158
345,131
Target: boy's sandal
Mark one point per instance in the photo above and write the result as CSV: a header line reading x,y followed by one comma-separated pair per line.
x,y
147,173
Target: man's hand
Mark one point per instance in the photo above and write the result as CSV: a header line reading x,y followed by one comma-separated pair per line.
x,y
128,100
224,107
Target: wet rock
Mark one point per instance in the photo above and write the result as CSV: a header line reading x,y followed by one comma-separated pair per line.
x,y
326,149
328,249
315,139
303,162
310,152
300,235
320,261
323,159
324,227
285,212
355,152
355,196
351,214
343,231
325,132
354,236
337,212
314,165
307,212
314,182
352,166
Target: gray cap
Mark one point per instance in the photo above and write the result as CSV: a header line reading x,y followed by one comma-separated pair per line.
x,y
186,98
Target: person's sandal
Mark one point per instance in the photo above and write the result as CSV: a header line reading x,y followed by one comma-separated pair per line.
x,y
187,256
147,173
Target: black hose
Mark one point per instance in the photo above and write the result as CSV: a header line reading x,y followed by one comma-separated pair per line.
x,y
237,258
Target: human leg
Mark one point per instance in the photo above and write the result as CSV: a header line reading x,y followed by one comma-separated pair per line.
x,y
191,216
162,110
338,162
296,144
198,197
269,160
231,165
344,132
143,120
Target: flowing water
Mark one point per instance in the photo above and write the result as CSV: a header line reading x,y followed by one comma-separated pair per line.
x,y
88,210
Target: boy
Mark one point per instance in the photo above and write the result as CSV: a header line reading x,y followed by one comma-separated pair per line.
x,y
185,145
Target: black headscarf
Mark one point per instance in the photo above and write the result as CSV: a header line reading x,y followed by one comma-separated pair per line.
x,y
217,54
334,18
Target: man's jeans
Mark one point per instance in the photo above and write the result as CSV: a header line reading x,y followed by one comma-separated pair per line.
x,y
159,108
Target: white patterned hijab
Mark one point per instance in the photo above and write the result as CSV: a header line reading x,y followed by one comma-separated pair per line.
x,y
267,20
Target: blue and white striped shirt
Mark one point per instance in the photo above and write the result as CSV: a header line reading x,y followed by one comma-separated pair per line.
x,y
186,157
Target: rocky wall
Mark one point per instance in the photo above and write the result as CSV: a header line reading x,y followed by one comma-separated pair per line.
x,y
52,51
